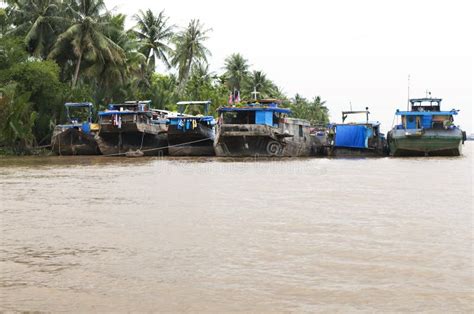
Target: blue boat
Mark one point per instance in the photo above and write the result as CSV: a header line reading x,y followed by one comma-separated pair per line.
x,y
131,129
76,137
261,129
426,130
191,135
356,138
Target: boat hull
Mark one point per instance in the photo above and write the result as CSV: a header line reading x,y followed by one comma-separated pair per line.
x,y
250,140
195,142
149,139
354,152
425,143
72,141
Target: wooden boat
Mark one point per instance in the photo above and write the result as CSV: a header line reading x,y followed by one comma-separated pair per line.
x,y
261,129
77,136
356,138
425,130
132,129
191,135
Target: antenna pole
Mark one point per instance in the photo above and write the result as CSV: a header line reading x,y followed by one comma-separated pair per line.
x,y
408,101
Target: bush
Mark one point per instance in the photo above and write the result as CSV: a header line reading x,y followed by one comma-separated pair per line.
x,y
41,80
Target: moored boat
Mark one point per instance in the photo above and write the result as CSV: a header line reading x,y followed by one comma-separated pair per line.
x,y
77,136
191,135
132,129
425,130
356,138
261,129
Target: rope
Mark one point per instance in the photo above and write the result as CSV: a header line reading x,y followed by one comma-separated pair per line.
x,y
165,147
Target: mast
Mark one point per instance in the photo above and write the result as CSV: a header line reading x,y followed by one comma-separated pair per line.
x,y
408,101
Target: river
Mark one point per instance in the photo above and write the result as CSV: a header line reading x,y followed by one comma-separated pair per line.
x,y
208,234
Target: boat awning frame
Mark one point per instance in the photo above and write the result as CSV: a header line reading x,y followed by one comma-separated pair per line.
x,y
426,113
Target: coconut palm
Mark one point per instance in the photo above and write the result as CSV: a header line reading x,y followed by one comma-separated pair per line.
x,y
154,34
87,36
237,69
189,50
37,21
257,82
315,111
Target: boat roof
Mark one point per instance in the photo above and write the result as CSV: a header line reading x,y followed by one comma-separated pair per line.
x,y
254,108
425,99
136,102
186,116
118,112
426,113
194,102
261,105
373,123
79,104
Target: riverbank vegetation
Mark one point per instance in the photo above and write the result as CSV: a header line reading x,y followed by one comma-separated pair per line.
x,y
56,51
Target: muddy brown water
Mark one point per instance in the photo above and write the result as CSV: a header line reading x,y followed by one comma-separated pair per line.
x,y
209,234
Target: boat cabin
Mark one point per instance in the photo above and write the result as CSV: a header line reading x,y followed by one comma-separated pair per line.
x,y
193,107
80,115
142,105
426,113
128,112
190,116
254,113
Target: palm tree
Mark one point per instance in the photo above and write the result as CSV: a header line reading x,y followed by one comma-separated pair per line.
x,y
257,81
154,34
237,69
87,36
315,111
37,21
119,81
189,50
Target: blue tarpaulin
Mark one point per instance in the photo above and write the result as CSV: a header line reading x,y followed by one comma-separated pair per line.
x,y
351,136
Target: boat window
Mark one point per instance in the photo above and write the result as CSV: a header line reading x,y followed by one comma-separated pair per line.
x,y
239,117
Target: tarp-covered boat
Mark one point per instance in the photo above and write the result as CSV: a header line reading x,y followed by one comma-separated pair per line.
x,y
356,138
77,136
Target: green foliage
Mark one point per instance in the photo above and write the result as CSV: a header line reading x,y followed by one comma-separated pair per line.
x,y
189,50
86,39
237,69
37,21
154,34
315,111
3,22
204,85
12,52
41,80
162,91
17,119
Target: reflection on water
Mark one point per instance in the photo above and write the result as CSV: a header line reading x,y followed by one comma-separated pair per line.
x,y
206,234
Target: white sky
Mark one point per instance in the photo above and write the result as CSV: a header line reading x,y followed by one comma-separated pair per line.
x,y
345,51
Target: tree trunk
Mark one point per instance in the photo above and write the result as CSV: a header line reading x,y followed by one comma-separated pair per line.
x,y
76,72
184,80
